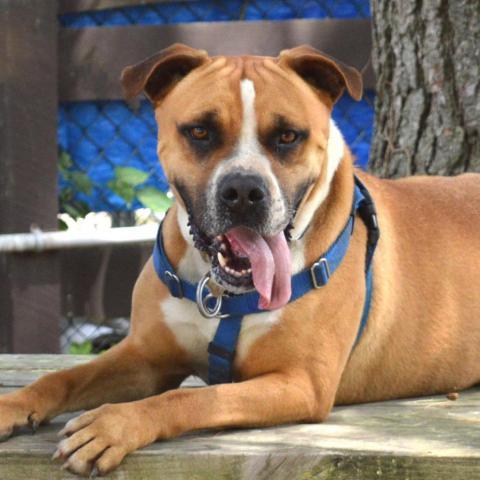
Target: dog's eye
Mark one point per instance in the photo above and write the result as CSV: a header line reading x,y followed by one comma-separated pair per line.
x,y
199,133
288,137
202,135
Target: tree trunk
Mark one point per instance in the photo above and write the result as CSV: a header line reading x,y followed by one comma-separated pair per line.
x,y
426,56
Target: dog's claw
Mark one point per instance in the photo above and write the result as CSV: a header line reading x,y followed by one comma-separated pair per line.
x,y
94,472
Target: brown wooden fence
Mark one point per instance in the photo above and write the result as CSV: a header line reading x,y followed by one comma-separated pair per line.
x,y
42,64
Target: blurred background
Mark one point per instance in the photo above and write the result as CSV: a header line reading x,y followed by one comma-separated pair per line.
x,y
82,160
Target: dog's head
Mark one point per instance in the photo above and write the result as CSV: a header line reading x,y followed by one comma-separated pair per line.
x,y
243,142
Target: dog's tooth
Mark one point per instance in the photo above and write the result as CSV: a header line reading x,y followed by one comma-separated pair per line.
x,y
221,260
232,271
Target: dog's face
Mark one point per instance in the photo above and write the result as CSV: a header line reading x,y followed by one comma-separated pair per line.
x,y
243,141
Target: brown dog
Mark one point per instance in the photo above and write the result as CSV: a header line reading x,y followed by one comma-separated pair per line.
x,y
248,142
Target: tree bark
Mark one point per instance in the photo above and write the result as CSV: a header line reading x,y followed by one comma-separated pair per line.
x,y
426,56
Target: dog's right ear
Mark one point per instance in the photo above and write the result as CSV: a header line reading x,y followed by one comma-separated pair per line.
x,y
158,74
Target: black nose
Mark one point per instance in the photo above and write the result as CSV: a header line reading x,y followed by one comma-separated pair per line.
x,y
241,192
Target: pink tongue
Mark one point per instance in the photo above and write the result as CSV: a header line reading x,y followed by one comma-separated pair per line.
x,y
271,264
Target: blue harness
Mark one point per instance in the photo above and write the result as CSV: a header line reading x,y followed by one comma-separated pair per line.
x,y
232,308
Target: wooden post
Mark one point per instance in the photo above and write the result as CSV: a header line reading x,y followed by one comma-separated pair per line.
x,y
29,283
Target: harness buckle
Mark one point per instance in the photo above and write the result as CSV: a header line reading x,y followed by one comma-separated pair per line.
x,y
369,214
202,301
323,272
174,284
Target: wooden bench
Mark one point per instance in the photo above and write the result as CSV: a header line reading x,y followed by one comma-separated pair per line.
x,y
430,438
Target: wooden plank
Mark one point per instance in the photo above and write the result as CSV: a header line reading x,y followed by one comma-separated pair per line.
x,y
78,6
91,59
232,456
20,370
30,289
429,438
32,363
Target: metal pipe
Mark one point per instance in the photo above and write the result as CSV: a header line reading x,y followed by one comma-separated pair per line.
x,y
39,241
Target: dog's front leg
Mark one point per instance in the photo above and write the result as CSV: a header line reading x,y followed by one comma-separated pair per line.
x,y
121,374
101,438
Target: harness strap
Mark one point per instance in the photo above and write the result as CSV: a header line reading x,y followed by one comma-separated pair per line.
x,y
221,350
368,213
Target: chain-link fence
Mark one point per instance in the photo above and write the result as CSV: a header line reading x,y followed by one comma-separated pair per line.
x,y
108,159
219,10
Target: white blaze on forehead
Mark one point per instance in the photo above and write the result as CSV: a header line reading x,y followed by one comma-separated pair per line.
x,y
335,153
248,134
248,153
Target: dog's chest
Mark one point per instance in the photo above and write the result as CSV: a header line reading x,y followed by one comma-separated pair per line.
x,y
193,332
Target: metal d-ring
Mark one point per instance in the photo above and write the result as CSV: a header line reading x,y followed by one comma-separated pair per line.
x,y
202,301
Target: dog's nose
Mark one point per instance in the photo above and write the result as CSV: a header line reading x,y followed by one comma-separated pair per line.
x,y
240,192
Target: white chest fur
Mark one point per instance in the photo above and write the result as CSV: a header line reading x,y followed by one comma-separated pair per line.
x,y
194,332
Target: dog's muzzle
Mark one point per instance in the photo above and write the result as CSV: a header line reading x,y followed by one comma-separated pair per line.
x,y
243,199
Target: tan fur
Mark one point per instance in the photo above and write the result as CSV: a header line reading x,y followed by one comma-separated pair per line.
x,y
423,332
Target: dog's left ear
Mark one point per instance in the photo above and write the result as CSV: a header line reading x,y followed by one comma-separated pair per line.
x,y
323,72
158,74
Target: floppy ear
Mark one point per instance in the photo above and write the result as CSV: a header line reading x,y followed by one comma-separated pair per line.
x,y
158,74
323,72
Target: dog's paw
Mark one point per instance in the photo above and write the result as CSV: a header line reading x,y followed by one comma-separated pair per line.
x,y
98,440
15,411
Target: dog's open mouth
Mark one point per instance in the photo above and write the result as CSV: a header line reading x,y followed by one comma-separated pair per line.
x,y
243,260
232,266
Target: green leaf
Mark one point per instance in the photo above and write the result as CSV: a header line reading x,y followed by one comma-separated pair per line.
x,y
81,348
62,225
82,182
123,190
130,176
65,195
154,199
65,161
75,209
72,211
